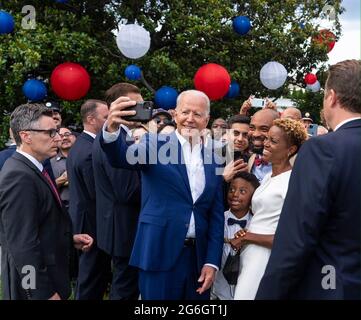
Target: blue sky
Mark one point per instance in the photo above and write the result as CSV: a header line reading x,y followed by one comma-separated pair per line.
x,y
348,46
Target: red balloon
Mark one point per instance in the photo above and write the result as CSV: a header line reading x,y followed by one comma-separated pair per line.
x,y
325,38
310,78
70,81
213,79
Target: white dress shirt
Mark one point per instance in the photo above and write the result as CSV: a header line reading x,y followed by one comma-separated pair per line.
x,y
195,171
221,289
35,162
93,135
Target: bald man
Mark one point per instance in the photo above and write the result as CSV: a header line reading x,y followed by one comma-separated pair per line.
x,y
292,113
260,124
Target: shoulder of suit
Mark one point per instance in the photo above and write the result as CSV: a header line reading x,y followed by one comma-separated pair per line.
x,y
15,169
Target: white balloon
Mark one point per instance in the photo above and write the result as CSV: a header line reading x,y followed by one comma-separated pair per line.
x,y
133,41
314,87
273,75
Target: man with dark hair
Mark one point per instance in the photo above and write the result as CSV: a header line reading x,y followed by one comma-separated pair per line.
x,y
218,128
35,231
121,89
238,136
58,163
118,206
316,251
94,266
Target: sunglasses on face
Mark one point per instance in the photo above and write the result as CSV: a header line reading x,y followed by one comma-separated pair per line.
x,y
159,120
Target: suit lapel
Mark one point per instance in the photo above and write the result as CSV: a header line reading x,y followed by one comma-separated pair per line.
x,y
25,160
180,166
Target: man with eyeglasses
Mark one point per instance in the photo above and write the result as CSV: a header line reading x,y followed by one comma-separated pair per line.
x,y
35,230
58,163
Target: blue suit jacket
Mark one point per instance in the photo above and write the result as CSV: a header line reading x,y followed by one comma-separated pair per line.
x,y
118,204
81,185
318,234
6,154
167,204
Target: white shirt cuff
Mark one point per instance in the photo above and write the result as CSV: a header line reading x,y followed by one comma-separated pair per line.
x,y
212,265
109,137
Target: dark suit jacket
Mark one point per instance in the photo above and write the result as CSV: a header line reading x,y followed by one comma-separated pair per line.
x,y
167,204
81,185
118,204
34,231
318,236
6,154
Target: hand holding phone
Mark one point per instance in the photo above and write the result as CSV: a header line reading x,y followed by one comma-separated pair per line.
x,y
144,111
258,103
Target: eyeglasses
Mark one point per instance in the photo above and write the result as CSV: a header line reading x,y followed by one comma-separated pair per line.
x,y
51,132
65,135
159,120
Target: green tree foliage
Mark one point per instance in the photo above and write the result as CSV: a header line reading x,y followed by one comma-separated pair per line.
x,y
185,34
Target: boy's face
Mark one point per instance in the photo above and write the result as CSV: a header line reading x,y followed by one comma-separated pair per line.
x,y
240,194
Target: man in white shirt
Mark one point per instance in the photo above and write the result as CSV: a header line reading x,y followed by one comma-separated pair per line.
x,y
94,266
35,230
179,240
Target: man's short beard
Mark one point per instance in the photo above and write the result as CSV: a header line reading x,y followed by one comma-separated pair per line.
x,y
257,150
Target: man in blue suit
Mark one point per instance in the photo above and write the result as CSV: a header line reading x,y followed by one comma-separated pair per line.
x,y
317,246
178,245
118,205
8,152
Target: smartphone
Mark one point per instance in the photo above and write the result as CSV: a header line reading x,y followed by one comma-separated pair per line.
x,y
144,111
312,129
237,155
258,103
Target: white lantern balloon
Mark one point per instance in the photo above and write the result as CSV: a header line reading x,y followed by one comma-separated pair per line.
x,y
133,41
273,75
314,87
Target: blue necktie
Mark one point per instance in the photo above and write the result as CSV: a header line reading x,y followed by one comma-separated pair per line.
x,y
241,223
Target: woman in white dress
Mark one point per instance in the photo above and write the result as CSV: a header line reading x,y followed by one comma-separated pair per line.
x,y
283,141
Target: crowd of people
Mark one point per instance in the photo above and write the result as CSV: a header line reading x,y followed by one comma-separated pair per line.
x,y
158,210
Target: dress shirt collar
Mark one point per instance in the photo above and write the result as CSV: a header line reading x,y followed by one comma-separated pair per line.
x,y
346,121
35,162
90,134
247,216
60,156
181,139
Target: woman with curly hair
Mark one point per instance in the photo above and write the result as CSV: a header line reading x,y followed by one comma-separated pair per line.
x,y
284,139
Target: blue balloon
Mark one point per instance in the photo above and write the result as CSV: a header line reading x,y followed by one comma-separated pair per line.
x,y
61,1
7,23
302,25
166,97
234,90
34,90
241,25
132,72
